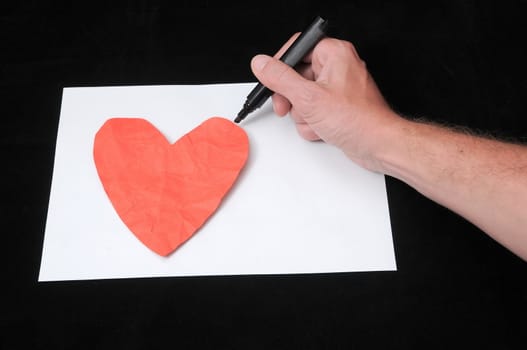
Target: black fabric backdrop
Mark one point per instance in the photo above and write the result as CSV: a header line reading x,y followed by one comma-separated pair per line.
x,y
454,62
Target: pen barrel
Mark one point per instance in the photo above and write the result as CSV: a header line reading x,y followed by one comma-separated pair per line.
x,y
258,96
305,42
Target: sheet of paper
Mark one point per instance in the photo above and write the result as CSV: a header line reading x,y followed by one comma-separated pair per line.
x,y
297,207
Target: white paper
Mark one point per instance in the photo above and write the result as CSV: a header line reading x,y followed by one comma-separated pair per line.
x,y
297,207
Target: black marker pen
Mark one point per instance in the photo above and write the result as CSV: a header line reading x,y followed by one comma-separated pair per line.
x,y
294,54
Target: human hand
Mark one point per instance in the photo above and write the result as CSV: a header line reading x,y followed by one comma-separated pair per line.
x,y
332,97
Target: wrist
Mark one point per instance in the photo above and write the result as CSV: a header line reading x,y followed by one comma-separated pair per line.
x,y
391,148
382,149
410,152
403,152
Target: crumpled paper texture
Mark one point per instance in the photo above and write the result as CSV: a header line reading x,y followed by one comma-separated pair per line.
x,y
165,192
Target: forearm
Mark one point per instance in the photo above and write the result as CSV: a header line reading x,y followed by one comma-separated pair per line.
x,y
483,180
335,99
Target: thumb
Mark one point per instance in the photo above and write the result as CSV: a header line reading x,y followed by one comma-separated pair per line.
x,y
277,76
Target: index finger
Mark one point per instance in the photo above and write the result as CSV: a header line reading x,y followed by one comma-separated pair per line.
x,y
287,44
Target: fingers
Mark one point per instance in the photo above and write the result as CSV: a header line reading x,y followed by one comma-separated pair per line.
x,y
281,105
286,83
304,68
306,71
329,49
288,43
305,131
278,76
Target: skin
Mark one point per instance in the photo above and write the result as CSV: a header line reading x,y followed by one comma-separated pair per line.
x,y
332,97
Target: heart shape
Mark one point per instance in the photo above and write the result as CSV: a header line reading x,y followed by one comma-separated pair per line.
x,y
165,192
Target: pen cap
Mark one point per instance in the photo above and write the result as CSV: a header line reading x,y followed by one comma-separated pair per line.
x,y
305,42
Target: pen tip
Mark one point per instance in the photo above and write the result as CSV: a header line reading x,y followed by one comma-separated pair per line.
x,y
241,116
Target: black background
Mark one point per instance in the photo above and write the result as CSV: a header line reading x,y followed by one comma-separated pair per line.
x,y
454,62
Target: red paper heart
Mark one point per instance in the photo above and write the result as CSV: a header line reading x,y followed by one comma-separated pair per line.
x,y
164,192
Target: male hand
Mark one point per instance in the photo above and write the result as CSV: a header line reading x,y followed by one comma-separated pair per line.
x,y
331,97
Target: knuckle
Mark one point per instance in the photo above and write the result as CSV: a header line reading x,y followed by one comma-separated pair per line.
x,y
281,72
337,45
308,98
305,131
307,95
275,71
339,48
348,46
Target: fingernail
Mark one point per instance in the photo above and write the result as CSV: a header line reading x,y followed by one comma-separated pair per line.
x,y
259,61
